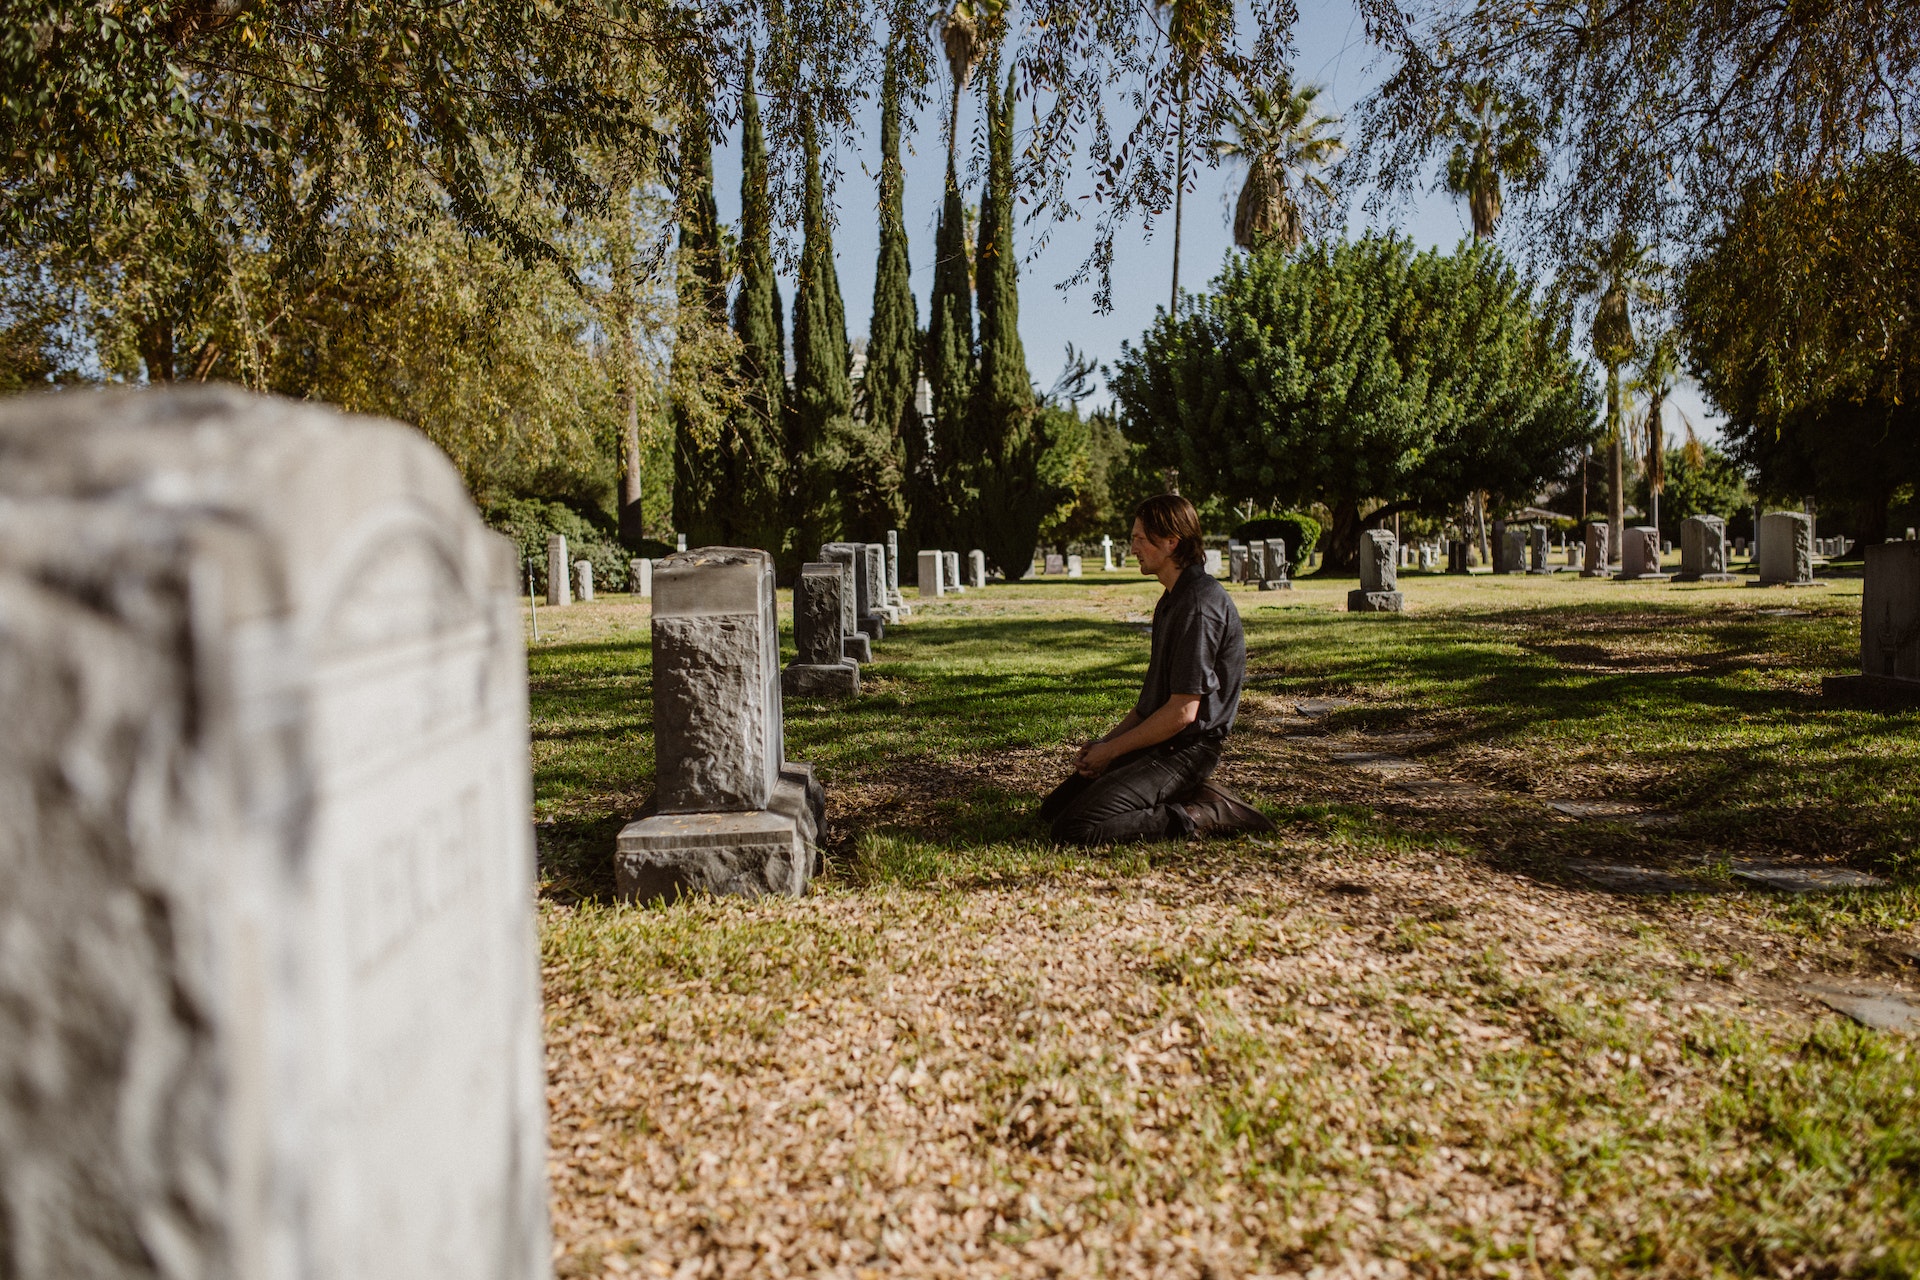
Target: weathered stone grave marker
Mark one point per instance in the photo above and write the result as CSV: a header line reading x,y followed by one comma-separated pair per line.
x,y
559,576
865,625
977,569
950,571
880,599
1074,568
583,580
730,814
1273,565
640,577
1786,549
1537,549
1640,555
1595,559
269,1003
1703,550
821,668
1889,629
1213,562
932,575
1054,564
1379,579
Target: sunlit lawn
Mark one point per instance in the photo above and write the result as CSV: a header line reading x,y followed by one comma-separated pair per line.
x,y
1403,1034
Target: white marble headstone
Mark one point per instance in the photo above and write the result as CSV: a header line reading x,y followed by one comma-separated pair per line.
x,y
269,1002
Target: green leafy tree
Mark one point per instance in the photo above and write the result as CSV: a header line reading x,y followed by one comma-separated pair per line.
x,y
1008,450
1360,373
820,416
699,509
1284,142
1700,480
1493,145
940,491
1800,320
755,463
896,441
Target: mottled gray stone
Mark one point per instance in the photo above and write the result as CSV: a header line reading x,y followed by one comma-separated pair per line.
x,y
1513,556
877,592
1074,568
1054,564
1213,564
950,570
861,618
821,669
268,987
559,576
722,817
1377,569
1595,565
1890,611
1273,565
1237,560
932,578
640,578
583,579
1703,550
977,569
1871,1004
1640,555
1537,549
1375,602
894,597
1786,549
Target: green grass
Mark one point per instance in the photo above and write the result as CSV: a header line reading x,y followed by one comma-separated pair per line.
x,y
1399,1029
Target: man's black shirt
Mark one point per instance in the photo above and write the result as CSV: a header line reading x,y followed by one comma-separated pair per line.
x,y
1198,648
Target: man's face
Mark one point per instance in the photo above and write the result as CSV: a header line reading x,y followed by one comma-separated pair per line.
x,y
1152,553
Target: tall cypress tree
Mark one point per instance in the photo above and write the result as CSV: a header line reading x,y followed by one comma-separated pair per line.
x,y
753,464
1003,434
942,497
703,305
892,440
821,419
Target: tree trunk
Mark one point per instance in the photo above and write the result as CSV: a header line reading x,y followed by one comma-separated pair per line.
x,y
1179,191
156,349
1616,472
632,524
1343,540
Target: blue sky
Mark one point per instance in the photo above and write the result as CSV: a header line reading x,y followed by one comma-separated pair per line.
x,y
1332,52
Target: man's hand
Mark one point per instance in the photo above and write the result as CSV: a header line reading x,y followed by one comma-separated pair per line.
x,y
1093,759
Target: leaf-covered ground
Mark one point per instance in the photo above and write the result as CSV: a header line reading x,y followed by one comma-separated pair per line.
x,y
1408,1035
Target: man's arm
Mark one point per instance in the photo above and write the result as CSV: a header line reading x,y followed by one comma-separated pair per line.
x,y
1179,711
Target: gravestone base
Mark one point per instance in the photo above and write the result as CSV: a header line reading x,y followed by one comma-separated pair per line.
x,y
1706,577
1596,573
820,680
1642,577
1544,571
1804,582
1278,584
1376,602
751,854
1872,691
873,626
857,647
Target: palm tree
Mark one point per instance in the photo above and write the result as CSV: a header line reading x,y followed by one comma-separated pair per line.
x,y
1619,273
969,27
1490,145
1283,141
1659,374
1194,29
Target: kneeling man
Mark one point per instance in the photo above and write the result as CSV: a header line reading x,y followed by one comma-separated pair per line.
x,y
1147,778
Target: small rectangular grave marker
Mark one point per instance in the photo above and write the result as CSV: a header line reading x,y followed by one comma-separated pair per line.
x,y
1379,578
821,668
932,575
1786,549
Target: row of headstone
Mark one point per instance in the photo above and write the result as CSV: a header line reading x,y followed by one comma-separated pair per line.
x,y
269,1001
1262,562
1832,548
940,572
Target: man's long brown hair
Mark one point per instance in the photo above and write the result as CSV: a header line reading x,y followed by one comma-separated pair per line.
x,y
1168,515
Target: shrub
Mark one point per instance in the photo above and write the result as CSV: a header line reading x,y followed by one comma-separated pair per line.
x,y
529,522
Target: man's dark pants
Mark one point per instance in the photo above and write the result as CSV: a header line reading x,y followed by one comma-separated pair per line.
x,y
1133,799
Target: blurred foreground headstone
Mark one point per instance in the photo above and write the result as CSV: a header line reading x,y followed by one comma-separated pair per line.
x,y
268,987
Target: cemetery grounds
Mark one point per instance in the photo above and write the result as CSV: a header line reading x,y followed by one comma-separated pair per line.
x,y
1432,1026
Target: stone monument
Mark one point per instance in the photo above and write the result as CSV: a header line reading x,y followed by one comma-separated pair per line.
x,y
1640,555
640,578
1054,563
1514,550
1379,577
1236,562
1703,550
1889,630
1106,552
583,580
1537,549
950,570
977,569
1213,561
559,575
1274,565
269,1001
894,597
1595,561
1457,555
1074,569
866,624
933,572
881,600
821,669
1786,549
729,813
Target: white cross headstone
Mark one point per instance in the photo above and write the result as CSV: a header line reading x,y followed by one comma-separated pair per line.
x,y
1106,552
